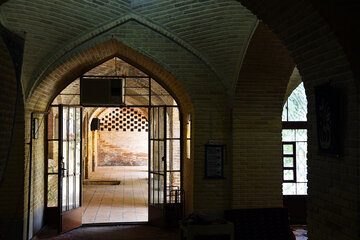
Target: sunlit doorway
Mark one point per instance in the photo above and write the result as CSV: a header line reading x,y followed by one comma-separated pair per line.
x,y
130,164
115,187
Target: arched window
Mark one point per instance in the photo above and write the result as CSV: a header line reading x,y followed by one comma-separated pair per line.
x,y
294,141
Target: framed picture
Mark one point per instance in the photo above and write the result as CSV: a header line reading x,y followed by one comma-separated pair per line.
x,y
214,161
327,119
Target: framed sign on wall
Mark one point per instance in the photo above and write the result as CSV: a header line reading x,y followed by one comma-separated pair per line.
x,y
214,161
327,119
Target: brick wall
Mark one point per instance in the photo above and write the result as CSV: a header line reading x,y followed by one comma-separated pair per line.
x,y
37,201
122,149
11,191
123,138
257,161
333,185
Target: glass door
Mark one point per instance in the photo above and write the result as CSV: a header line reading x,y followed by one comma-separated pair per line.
x,y
165,192
70,173
157,162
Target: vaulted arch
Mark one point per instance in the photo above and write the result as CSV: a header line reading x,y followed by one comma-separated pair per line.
x,y
74,67
74,46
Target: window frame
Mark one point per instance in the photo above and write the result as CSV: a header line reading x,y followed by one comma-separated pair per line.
x,y
293,168
292,125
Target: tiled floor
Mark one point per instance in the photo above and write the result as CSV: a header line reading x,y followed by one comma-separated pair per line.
x,y
300,233
127,202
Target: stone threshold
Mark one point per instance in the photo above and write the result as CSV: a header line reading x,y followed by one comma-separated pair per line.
x,y
101,182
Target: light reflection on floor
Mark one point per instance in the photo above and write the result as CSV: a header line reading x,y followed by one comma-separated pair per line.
x,y
127,202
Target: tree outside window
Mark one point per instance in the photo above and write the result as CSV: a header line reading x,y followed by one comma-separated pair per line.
x,y
294,138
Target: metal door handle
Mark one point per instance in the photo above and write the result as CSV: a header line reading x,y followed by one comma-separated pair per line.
x,y
62,169
62,166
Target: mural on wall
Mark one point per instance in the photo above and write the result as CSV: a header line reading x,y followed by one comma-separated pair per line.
x,y
123,138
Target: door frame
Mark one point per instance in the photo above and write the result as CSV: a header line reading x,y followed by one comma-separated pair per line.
x,y
160,215
51,211
156,213
69,219
54,215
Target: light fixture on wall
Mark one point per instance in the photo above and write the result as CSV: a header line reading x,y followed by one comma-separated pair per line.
x,y
115,67
95,124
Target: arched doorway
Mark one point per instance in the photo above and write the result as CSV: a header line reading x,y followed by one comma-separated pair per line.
x,y
114,97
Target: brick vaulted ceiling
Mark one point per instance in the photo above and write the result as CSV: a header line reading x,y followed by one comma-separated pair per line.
x,y
216,32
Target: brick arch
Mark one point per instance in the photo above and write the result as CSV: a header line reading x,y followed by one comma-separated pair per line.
x,y
302,29
79,41
322,56
64,74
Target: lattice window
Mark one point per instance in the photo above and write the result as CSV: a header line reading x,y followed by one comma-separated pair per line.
x,y
124,119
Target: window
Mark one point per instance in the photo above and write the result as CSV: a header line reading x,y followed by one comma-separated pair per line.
x,y
289,162
188,137
294,138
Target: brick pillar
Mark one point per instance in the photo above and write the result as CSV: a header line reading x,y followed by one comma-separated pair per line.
x,y
257,162
12,188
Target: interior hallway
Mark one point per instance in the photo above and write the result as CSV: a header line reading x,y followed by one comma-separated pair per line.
x,y
126,202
